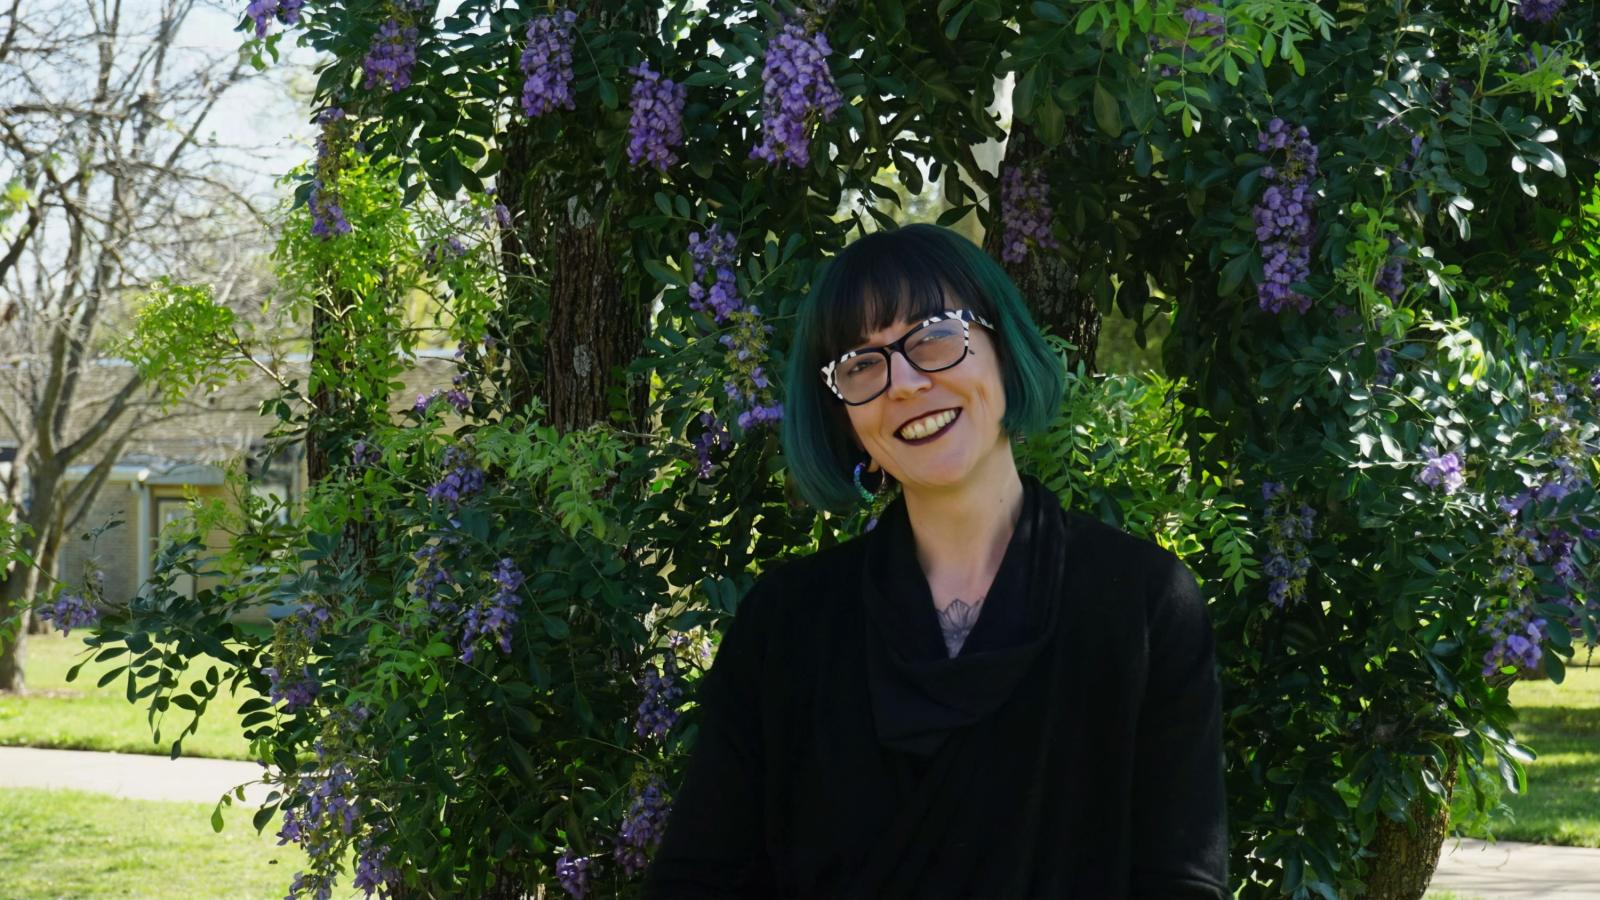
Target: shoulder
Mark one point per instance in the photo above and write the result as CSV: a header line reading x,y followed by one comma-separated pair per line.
x,y
807,580
1156,573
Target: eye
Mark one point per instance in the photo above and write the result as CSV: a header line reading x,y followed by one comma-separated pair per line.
x,y
860,364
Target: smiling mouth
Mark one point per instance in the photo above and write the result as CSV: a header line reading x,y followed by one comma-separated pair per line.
x,y
935,435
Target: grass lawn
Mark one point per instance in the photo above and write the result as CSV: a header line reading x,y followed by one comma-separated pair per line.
x,y
79,716
75,844
1560,722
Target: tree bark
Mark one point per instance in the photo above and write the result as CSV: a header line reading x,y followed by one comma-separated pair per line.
x,y
1404,861
1047,282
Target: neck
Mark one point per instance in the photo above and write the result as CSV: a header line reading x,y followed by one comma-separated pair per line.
x,y
962,530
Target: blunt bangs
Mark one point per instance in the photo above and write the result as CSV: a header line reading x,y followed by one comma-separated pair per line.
x,y
906,274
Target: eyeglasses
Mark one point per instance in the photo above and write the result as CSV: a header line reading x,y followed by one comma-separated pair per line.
x,y
861,375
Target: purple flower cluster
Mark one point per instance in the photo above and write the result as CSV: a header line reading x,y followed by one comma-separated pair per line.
x,y
1287,531
714,434
502,215
456,398
714,251
656,125
294,694
364,455
641,828
494,616
70,611
1539,10
262,12
1283,217
372,874
432,578
1442,470
1199,24
327,216
573,873
795,82
1518,637
326,803
748,385
390,56
1390,282
461,479
659,710
547,63
1025,209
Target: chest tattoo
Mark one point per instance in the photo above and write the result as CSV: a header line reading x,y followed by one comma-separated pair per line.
x,y
956,621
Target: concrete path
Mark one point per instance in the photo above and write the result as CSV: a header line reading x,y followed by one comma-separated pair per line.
x,y
130,774
1507,870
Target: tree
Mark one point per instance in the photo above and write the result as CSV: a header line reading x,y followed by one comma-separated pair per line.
x,y
1369,229
113,181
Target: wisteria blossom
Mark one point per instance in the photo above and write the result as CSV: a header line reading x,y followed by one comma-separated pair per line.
x,y
1025,213
547,63
656,123
795,85
1283,217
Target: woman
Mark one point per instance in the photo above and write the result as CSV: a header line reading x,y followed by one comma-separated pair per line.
x,y
984,695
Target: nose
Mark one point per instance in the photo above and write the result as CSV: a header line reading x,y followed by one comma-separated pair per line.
x,y
905,380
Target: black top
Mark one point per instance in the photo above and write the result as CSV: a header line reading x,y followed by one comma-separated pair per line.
x,y
1072,748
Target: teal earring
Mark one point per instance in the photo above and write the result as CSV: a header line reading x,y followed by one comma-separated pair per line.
x,y
866,495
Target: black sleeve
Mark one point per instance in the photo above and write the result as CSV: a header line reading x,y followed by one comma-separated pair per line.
x,y
714,841
1180,840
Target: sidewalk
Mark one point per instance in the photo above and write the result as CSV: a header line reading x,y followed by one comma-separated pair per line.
x,y
1508,870
130,774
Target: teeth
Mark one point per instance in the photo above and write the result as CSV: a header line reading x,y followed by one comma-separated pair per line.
x,y
923,427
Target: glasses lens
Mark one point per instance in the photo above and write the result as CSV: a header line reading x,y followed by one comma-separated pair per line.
x,y
936,346
931,348
859,377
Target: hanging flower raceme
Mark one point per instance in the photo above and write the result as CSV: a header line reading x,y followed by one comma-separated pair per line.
x,y
264,12
493,616
327,216
795,84
713,252
461,479
1197,24
642,828
70,611
656,125
658,712
1442,470
373,875
547,63
1025,212
390,56
1287,531
573,873
1539,10
715,434
1283,217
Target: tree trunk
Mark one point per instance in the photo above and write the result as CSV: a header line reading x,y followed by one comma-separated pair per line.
x,y
1046,280
1403,861
21,585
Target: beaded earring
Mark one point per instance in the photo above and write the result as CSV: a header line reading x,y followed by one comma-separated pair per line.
x,y
877,500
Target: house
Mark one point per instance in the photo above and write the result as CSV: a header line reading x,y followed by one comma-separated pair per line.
x,y
187,453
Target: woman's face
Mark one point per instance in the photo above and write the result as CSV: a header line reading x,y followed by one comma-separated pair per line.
x,y
972,388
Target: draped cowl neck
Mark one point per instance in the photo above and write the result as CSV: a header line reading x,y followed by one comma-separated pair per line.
x,y
919,693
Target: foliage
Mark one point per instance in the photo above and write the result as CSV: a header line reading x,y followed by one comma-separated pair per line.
x,y
1386,485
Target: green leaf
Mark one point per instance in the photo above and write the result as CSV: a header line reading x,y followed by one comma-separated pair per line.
x,y
664,275
608,93
1107,115
216,817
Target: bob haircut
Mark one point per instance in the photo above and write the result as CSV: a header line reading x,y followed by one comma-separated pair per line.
x,y
884,277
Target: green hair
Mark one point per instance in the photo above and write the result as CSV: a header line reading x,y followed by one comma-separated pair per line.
x,y
901,275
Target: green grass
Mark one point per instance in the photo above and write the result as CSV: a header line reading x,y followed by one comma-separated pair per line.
x,y
1560,722
77,844
79,716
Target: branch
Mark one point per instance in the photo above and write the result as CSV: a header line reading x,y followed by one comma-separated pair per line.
x,y
118,405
